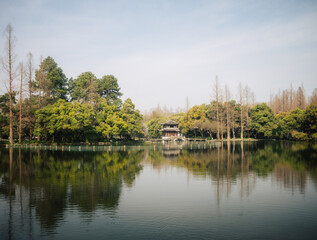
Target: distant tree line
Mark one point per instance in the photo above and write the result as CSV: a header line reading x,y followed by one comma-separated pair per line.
x,y
49,107
224,118
290,99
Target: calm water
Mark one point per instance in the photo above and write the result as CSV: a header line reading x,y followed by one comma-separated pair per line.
x,y
263,190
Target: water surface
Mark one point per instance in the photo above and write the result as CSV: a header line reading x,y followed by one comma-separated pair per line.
x,y
261,190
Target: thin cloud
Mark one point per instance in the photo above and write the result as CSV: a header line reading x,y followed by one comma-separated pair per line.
x,y
163,52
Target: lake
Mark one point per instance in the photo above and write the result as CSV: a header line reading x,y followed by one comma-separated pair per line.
x,y
250,190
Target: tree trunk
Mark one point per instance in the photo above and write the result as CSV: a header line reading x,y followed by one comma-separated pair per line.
x,y
7,64
21,80
217,106
241,111
228,111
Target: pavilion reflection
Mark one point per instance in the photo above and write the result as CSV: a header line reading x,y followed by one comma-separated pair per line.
x,y
240,164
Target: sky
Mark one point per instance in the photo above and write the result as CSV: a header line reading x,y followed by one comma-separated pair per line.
x,y
165,51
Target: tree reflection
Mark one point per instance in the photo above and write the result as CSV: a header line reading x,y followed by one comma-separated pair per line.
x,y
49,182
43,184
288,162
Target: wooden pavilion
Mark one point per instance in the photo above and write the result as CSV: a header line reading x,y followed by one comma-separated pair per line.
x,y
170,129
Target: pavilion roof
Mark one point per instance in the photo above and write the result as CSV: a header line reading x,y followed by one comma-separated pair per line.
x,y
170,122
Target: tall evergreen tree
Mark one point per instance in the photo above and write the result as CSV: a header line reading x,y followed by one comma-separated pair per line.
x,y
50,80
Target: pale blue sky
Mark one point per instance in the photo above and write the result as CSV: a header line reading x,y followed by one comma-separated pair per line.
x,y
162,51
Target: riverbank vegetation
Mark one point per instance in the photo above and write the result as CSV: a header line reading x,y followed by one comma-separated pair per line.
x,y
43,105
244,119
48,107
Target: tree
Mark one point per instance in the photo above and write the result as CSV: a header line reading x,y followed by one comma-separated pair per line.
x,y
241,110
221,113
107,118
30,101
154,126
39,78
4,112
300,98
192,120
211,127
247,93
133,120
111,122
64,121
310,119
263,121
187,103
30,70
87,88
289,121
8,66
109,89
227,92
235,111
313,97
287,100
22,75
50,80
217,97
84,88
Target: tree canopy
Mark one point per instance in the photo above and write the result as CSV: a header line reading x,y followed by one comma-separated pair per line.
x,y
51,81
88,88
263,123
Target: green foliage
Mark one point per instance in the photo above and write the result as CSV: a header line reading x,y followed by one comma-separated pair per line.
x,y
109,89
298,124
97,113
76,122
263,123
109,122
87,88
133,120
314,137
192,121
289,121
65,122
4,113
84,88
4,126
310,119
299,136
52,80
154,126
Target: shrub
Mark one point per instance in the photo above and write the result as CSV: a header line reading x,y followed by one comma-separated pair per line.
x,y
314,137
299,136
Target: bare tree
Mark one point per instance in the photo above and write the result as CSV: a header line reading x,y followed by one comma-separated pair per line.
x,y
40,82
227,92
241,109
288,100
300,97
313,97
216,93
247,102
8,66
30,70
233,118
221,113
22,74
252,96
187,103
